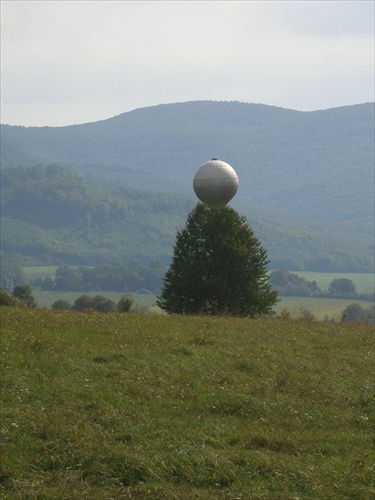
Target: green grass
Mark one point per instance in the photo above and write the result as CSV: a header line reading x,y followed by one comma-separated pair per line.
x,y
171,407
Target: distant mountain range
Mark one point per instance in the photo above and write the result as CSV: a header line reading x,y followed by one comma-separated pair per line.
x,y
306,178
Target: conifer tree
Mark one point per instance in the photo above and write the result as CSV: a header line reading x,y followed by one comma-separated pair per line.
x,y
218,267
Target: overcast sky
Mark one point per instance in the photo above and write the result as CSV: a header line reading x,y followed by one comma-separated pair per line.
x,y
68,62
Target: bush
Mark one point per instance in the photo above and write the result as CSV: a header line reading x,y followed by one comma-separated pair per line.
x,y
102,304
61,304
98,303
125,304
306,315
355,313
292,285
24,293
341,286
8,300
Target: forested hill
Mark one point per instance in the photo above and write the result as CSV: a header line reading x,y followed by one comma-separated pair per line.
x,y
314,164
52,216
309,174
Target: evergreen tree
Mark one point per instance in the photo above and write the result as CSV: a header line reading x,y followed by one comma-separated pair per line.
x,y
218,267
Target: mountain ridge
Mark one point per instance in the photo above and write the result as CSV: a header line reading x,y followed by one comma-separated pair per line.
x,y
308,170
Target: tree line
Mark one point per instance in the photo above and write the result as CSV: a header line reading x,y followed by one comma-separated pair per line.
x,y
291,285
135,277
22,297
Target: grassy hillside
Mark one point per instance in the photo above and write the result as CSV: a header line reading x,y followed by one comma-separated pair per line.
x,y
128,406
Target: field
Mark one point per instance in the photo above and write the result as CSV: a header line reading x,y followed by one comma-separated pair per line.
x,y
119,406
320,308
364,282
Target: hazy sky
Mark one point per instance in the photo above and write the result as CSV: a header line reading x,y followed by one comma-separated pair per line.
x,y
67,62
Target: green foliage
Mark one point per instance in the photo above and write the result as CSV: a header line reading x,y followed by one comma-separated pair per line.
x,y
306,315
110,277
307,183
47,284
24,294
11,270
355,313
52,215
175,407
316,165
61,305
125,304
218,267
364,282
6,299
98,303
291,284
341,286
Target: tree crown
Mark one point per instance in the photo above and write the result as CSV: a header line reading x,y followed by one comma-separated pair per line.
x,y
218,267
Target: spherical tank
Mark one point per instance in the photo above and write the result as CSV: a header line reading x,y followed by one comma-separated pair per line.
x,y
215,182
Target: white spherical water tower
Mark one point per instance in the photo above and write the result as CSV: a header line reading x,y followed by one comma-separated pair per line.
x,y
215,182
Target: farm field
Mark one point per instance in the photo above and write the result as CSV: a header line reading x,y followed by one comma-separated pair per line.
x,y
320,308
174,407
33,272
364,282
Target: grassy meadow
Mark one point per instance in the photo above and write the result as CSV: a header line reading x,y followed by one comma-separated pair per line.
x,y
119,406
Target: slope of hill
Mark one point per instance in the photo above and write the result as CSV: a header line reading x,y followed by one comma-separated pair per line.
x,y
312,172
52,216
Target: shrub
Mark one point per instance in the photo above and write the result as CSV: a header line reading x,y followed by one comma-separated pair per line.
x,y
341,286
82,303
102,304
98,303
61,304
9,300
355,313
125,304
306,315
24,293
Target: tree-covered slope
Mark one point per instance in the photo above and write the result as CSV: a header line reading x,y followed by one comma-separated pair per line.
x,y
49,215
306,178
52,215
317,164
